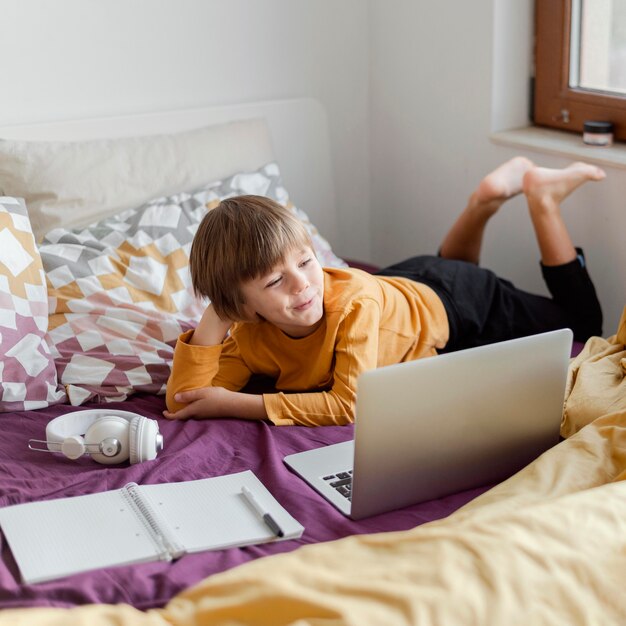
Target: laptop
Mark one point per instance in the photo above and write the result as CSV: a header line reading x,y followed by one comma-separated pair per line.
x,y
428,428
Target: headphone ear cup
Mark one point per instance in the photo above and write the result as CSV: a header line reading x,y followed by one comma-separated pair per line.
x,y
142,439
108,427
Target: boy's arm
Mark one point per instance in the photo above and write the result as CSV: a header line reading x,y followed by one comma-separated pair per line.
x,y
198,357
355,351
211,329
218,402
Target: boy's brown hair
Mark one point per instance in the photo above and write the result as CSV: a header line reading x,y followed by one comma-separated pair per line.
x,y
241,239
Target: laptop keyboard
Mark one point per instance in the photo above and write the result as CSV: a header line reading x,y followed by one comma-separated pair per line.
x,y
341,482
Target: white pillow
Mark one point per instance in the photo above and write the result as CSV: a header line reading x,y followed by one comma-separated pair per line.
x,y
72,184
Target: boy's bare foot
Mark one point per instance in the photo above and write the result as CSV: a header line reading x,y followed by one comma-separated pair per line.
x,y
501,184
546,188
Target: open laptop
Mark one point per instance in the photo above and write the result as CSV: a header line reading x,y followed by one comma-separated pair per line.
x,y
428,428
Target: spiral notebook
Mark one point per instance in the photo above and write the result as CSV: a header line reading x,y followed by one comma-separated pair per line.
x,y
141,523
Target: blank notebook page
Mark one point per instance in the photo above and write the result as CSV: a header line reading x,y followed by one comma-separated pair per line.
x,y
79,533
212,513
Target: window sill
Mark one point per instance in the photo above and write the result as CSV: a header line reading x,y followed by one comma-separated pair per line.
x,y
562,144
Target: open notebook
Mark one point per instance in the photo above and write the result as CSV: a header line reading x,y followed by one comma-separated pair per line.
x,y
137,524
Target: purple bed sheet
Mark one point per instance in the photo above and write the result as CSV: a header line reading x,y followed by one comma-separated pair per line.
x,y
193,449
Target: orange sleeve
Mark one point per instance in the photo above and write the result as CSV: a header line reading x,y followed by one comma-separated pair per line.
x,y
194,367
356,350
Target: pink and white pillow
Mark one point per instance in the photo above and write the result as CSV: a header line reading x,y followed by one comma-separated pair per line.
x,y
28,378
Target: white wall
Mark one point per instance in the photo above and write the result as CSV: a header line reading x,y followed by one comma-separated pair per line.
x,y
443,75
412,89
83,58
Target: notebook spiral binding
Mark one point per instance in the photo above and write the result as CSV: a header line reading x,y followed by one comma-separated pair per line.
x,y
168,548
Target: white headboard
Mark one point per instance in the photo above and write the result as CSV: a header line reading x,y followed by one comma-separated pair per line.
x,y
298,129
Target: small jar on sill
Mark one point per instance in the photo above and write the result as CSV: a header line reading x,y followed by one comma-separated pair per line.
x,y
598,133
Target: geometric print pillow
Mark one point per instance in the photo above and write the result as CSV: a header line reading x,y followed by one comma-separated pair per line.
x,y
120,290
119,297
28,378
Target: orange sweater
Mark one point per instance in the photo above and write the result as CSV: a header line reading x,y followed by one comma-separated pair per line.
x,y
370,321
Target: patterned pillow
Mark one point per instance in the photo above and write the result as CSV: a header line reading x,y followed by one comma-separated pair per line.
x,y
28,377
120,291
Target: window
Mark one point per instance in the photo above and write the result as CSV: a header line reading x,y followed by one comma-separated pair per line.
x,y
580,63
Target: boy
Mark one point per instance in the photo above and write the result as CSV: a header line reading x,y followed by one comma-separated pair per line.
x,y
274,311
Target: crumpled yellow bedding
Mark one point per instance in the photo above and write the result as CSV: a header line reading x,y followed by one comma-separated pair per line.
x,y
547,546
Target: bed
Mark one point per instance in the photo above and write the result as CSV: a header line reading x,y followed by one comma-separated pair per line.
x,y
95,321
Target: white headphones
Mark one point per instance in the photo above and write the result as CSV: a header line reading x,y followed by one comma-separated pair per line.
x,y
109,436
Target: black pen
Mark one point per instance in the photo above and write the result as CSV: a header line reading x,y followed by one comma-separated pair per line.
x,y
264,515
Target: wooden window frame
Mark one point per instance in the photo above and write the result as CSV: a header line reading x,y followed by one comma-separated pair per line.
x,y
555,103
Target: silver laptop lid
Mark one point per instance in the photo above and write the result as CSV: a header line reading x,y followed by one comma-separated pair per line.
x,y
436,426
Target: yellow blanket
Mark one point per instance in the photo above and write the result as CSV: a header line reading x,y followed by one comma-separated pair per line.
x,y
547,546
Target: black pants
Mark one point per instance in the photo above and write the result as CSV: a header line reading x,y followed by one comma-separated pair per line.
x,y
483,308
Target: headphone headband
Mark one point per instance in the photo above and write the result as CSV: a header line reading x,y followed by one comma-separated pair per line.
x,y
77,423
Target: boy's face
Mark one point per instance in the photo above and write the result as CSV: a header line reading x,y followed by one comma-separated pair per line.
x,y
291,296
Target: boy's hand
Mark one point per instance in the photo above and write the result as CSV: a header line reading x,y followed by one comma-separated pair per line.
x,y
211,329
203,402
217,402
